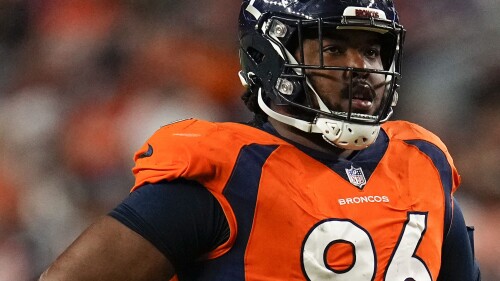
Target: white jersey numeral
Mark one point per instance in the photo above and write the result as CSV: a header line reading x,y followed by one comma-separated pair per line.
x,y
403,265
404,262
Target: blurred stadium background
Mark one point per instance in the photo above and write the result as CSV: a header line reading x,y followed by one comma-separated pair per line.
x,y
83,83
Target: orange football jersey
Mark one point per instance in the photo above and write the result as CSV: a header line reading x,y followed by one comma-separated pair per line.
x,y
381,215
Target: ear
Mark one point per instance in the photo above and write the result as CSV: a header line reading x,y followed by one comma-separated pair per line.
x,y
395,99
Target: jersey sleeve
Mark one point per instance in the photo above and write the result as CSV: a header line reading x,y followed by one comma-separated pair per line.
x,y
193,150
180,218
179,150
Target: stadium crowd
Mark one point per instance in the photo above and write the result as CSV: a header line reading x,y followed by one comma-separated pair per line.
x,y
85,82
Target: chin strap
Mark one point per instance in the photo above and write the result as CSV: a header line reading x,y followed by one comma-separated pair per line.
x,y
302,125
338,133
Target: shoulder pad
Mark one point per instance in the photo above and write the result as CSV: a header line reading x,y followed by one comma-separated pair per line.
x,y
195,150
403,130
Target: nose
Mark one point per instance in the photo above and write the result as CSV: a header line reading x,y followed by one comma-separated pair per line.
x,y
355,59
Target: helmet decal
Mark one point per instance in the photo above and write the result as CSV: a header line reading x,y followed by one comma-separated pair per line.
x,y
364,12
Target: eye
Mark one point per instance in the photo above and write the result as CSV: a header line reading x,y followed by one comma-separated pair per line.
x,y
373,52
333,49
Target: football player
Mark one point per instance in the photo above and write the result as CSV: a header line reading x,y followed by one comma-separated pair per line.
x,y
320,186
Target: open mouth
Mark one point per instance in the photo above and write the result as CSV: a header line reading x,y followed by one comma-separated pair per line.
x,y
363,96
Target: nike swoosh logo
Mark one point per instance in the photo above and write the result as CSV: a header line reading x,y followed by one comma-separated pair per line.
x,y
148,153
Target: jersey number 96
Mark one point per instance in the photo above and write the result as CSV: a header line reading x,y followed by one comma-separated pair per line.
x,y
404,265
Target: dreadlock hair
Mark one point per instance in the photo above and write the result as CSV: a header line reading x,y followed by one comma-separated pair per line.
x,y
249,97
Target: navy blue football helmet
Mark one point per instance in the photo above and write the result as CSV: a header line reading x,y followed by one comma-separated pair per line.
x,y
271,34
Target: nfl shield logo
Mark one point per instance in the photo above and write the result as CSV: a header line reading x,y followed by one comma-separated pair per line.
x,y
356,176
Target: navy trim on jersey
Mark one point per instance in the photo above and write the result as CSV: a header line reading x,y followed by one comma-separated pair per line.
x,y
457,262
241,192
367,159
443,166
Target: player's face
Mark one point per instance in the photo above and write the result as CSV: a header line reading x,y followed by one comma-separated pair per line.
x,y
346,48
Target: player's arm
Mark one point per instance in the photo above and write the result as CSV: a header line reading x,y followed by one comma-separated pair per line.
x,y
458,262
108,250
159,229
